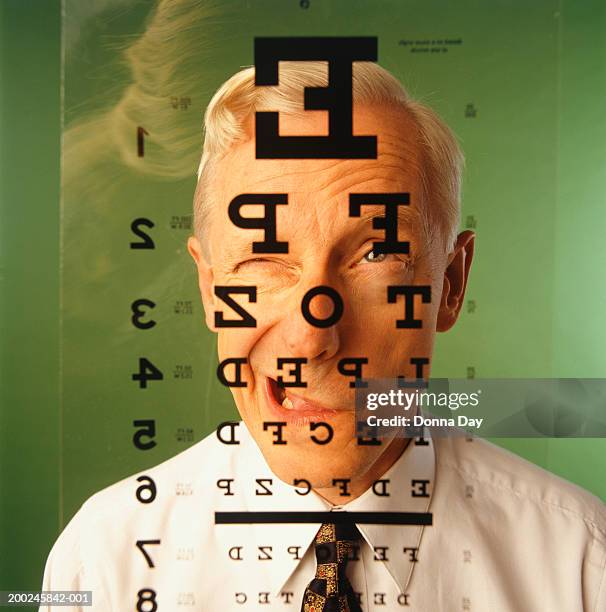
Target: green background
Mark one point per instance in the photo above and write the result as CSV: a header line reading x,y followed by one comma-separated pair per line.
x,y
535,154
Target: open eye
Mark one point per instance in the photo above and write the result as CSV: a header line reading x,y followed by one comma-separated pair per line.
x,y
372,257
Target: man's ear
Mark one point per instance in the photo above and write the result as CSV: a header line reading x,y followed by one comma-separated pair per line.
x,y
205,281
455,280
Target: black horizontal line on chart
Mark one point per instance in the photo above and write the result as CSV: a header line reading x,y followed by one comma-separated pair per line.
x,y
341,518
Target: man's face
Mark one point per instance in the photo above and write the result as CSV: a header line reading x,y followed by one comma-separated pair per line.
x,y
325,247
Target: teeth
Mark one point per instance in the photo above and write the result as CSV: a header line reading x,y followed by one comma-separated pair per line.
x,y
286,403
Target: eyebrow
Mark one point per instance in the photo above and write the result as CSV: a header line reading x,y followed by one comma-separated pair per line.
x,y
407,214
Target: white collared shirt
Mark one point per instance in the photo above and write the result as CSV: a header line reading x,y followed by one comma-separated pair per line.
x,y
505,536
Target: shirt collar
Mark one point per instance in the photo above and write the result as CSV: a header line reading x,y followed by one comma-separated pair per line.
x,y
411,480
410,486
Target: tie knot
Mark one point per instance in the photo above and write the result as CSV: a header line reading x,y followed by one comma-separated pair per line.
x,y
334,542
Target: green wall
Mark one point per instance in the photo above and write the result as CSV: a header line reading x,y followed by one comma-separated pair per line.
x,y
30,132
53,454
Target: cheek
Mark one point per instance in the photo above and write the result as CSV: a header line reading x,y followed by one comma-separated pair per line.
x,y
246,342
269,311
238,343
370,331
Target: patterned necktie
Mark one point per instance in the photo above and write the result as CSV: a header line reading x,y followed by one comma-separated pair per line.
x,y
331,590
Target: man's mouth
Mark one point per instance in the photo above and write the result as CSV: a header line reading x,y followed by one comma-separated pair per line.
x,y
291,405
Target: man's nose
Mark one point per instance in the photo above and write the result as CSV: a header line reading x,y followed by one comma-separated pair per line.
x,y
306,340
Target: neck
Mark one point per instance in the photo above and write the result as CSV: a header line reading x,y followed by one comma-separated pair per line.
x,y
357,486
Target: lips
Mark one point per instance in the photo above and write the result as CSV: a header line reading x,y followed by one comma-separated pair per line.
x,y
291,407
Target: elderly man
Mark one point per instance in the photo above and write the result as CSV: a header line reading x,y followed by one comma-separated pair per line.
x,y
242,520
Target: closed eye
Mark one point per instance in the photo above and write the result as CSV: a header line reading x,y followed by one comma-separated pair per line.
x,y
255,260
265,266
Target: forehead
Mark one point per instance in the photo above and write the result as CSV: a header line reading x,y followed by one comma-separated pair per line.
x,y
396,168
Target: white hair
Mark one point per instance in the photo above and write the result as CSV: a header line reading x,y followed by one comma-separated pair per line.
x,y
238,98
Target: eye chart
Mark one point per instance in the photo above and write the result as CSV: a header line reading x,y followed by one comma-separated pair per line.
x,y
141,380
135,347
